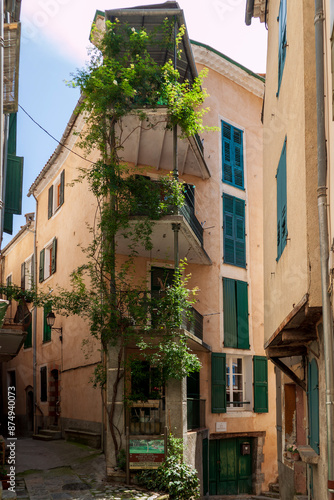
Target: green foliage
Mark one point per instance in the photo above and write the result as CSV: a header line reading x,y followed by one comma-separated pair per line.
x,y
173,476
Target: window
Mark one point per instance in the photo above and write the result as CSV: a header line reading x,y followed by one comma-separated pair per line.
x,y
46,327
27,273
28,340
234,231
232,383
235,303
146,381
282,43
313,405
48,260
56,194
282,230
43,379
232,155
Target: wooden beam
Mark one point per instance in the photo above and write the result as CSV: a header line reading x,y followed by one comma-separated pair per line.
x,y
285,369
286,351
302,335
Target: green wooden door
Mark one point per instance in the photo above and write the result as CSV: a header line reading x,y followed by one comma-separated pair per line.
x,y
230,470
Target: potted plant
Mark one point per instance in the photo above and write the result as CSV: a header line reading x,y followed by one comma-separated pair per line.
x,y
292,452
4,477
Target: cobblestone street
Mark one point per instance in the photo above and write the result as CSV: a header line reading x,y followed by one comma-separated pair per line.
x,y
59,470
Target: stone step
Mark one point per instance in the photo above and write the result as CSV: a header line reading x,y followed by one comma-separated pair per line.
x,y
42,437
55,434
274,487
266,495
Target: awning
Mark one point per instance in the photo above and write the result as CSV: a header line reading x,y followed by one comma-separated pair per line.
x,y
11,341
293,336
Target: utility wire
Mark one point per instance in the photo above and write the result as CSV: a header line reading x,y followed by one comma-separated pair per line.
x,y
48,133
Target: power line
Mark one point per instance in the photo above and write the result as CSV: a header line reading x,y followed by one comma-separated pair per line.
x,y
52,137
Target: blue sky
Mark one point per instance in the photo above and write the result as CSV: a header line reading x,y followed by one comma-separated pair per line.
x,y
54,43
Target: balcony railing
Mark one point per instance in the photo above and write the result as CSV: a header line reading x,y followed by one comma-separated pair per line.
x,y
193,323
195,414
193,222
146,418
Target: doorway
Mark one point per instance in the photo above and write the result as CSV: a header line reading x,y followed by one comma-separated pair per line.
x,y
54,396
230,466
30,409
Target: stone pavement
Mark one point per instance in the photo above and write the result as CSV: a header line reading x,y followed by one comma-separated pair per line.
x,y
59,470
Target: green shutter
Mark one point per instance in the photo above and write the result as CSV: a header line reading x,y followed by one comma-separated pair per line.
x,y
50,202
32,274
213,458
54,256
41,265
218,382
230,313
11,143
232,155
282,41
242,314
234,231
46,327
14,179
62,185
8,222
205,462
313,404
28,340
260,377
282,231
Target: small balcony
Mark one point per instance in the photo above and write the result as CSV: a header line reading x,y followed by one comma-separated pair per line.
x,y
195,413
13,330
193,323
146,418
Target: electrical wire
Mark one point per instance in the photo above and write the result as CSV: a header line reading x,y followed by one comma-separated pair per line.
x,y
52,137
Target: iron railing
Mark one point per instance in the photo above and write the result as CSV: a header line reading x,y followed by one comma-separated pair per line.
x,y
192,321
146,418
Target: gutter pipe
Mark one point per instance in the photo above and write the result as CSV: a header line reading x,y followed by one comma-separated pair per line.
x,y
323,237
34,325
249,12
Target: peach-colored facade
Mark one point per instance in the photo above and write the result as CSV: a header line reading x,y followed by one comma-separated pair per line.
x,y
236,99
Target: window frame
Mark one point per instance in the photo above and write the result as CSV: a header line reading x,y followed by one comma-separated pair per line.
x,y
236,313
27,278
56,194
48,260
229,158
246,384
232,220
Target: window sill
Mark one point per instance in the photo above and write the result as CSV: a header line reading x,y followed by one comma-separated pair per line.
x,y
308,455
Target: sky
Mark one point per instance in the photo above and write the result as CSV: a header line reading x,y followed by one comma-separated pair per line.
x,y
54,43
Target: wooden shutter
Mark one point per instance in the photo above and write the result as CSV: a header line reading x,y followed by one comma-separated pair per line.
x,y
234,231
313,405
282,41
14,180
46,327
50,202
282,230
62,188
260,379
232,155
54,256
218,382
41,265
242,314
11,143
28,340
230,313
23,275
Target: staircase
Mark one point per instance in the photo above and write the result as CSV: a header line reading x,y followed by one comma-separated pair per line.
x,y
272,493
49,434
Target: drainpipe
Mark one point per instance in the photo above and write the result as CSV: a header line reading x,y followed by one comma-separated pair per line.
x,y
34,324
324,246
